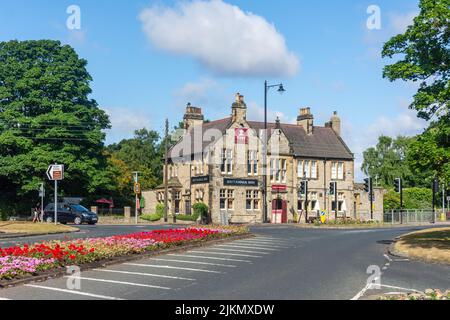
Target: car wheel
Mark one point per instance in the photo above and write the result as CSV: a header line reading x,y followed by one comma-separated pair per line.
x,y
49,220
92,223
78,221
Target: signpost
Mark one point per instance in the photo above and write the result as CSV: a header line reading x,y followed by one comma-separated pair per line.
x,y
137,191
55,172
42,195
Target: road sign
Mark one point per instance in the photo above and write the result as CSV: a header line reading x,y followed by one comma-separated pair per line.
x,y
323,217
137,188
55,172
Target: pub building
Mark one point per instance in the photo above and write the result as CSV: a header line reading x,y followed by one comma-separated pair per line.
x,y
219,163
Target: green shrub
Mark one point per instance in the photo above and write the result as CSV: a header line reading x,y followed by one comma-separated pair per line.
x,y
201,210
185,217
160,209
152,217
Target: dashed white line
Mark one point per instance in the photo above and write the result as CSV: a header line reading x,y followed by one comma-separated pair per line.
x,y
388,258
144,274
264,245
207,257
244,247
80,293
399,288
120,282
196,262
227,254
170,267
236,250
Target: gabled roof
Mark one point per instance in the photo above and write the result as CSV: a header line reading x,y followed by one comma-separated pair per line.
x,y
322,143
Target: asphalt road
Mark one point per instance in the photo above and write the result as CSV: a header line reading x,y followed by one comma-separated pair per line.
x,y
281,262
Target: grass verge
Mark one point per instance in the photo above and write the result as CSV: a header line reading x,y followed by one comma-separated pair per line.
x,y
431,245
11,228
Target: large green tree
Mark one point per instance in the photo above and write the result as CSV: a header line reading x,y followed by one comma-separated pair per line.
x,y
46,115
424,57
424,51
387,161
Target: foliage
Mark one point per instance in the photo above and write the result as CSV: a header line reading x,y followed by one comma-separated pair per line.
x,y
387,161
425,57
431,151
188,217
200,209
413,198
46,115
152,217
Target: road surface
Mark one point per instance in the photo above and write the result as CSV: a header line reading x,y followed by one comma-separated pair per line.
x,y
281,262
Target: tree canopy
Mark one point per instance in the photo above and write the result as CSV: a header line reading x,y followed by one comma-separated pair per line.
x,y
425,58
46,115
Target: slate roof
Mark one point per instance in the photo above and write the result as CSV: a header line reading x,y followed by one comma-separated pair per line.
x,y
322,143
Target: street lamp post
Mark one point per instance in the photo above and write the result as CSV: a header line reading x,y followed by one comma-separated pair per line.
x,y
266,90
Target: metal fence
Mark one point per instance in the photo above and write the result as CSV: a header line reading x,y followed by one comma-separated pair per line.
x,y
409,216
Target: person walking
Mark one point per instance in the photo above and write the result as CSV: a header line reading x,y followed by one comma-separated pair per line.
x,y
37,213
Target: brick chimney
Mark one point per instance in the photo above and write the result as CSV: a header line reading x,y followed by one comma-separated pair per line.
x,y
193,117
239,109
336,123
306,120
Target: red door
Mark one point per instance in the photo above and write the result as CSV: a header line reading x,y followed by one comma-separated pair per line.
x,y
279,211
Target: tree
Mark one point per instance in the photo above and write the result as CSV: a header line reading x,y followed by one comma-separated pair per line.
x,y
387,161
141,153
425,52
46,115
431,151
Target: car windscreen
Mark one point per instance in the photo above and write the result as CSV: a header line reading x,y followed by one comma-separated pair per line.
x,y
79,208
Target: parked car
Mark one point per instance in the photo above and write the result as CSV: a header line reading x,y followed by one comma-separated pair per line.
x,y
69,213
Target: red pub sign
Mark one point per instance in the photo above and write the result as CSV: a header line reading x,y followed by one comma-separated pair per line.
x,y
241,135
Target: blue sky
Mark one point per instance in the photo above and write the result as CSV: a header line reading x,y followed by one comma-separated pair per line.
x,y
149,58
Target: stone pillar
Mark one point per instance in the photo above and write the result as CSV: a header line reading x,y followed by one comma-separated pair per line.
x,y
94,209
127,214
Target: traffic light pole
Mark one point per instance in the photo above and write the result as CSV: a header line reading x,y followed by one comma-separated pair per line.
x,y
401,201
434,200
306,201
336,206
371,199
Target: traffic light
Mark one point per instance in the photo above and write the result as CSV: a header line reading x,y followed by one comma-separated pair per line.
x,y
333,187
398,185
368,185
303,187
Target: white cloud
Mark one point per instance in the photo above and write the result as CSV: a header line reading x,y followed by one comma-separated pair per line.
x,y
400,22
360,138
124,122
256,113
221,37
196,92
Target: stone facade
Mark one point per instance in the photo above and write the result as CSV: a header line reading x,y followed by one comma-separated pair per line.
x,y
220,163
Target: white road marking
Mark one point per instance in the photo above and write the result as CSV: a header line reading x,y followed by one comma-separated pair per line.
x,y
363,290
401,260
4,299
399,288
388,258
227,254
264,241
120,282
81,293
144,274
170,267
235,250
260,244
244,247
195,262
206,257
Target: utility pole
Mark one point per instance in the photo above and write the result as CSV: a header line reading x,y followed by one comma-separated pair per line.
x,y
136,178
435,189
166,171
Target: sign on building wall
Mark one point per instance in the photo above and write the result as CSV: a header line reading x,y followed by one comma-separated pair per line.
x,y
241,135
240,182
200,180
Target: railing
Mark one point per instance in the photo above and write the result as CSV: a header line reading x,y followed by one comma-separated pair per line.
x,y
408,216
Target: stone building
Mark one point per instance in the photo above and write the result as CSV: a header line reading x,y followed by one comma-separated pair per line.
x,y
220,163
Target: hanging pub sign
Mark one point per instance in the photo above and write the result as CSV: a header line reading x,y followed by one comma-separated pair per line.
x,y
200,180
240,182
241,135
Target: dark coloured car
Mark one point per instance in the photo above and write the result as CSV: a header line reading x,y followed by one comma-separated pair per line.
x,y
70,213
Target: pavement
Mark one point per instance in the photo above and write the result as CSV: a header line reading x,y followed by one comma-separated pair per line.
x,y
280,263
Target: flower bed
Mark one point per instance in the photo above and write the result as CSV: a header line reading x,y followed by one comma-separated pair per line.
x,y
31,259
